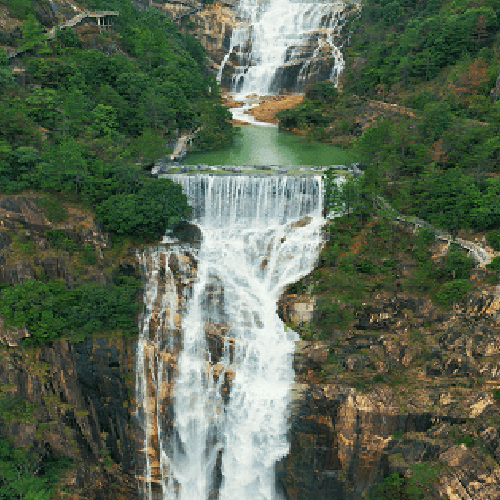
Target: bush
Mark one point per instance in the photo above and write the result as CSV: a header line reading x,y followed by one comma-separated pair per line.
x,y
49,310
367,267
60,240
456,265
493,239
322,91
27,475
453,292
468,439
496,394
494,264
146,214
52,209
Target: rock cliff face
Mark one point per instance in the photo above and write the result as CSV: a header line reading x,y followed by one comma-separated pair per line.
x,y
83,410
213,24
48,12
408,385
82,392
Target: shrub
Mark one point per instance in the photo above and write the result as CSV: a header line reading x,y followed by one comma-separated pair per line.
x,y
367,267
493,239
89,256
50,309
60,240
324,92
494,264
146,214
28,475
468,439
452,292
456,265
496,394
52,209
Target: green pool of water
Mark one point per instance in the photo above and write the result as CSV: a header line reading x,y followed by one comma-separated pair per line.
x,y
268,146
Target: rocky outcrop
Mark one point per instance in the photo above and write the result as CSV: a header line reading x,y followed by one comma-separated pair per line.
x,y
408,385
25,250
82,394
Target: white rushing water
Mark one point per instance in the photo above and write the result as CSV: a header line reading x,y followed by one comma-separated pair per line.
x,y
275,32
258,235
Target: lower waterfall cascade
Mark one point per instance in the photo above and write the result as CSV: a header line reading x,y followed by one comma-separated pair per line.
x,y
272,35
213,421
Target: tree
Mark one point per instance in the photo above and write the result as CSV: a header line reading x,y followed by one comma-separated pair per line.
x,y
436,118
33,34
324,91
44,106
147,214
104,120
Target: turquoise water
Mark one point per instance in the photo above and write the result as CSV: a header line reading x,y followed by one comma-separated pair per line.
x,y
268,146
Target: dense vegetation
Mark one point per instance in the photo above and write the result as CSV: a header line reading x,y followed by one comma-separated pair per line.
x,y
25,474
48,309
439,158
97,109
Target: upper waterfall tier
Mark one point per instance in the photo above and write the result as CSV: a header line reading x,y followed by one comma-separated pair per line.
x,y
249,200
283,45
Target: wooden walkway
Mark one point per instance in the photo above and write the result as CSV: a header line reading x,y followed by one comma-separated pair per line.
x,y
477,252
100,15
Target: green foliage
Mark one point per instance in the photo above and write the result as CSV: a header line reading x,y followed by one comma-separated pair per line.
x,y
436,119
352,196
398,433
389,489
33,35
89,256
16,408
20,9
146,214
453,199
468,439
7,79
308,113
452,292
68,38
421,41
494,264
17,166
456,265
496,394
26,475
332,316
60,240
493,239
324,92
52,208
104,120
414,487
49,309
366,266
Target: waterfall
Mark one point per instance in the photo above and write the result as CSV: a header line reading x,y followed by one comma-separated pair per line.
x,y
214,361
274,37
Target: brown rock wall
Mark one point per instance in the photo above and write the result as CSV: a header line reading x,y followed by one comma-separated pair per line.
x,y
81,392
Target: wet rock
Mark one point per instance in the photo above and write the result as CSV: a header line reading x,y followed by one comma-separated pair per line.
x,y
186,232
5,240
12,337
297,308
